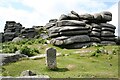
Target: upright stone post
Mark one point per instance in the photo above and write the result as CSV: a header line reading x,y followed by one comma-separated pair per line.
x,y
51,58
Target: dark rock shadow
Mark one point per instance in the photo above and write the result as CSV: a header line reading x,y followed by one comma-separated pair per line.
x,y
59,69
62,69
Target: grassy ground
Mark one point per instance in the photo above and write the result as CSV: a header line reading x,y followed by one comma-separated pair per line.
x,y
78,64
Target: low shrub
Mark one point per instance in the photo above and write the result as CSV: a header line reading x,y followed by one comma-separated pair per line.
x,y
94,54
27,51
36,51
11,48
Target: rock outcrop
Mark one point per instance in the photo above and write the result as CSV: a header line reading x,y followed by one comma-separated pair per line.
x,y
75,31
12,30
28,32
69,31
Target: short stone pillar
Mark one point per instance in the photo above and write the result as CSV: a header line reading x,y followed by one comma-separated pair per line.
x,y
51,58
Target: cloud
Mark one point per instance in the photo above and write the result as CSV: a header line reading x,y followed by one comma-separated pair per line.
x,y
114,10
43,10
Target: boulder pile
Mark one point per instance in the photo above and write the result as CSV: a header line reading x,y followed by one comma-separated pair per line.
x,y
15,30
76,31
12,29
28,32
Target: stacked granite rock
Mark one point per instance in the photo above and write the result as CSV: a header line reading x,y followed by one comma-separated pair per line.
x,y
75,31
28,32
107,34
69,32
12,29
95,33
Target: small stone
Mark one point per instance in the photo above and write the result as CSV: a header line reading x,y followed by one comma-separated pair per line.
x,y
27,73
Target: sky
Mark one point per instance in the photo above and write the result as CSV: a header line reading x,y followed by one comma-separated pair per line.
x,y
39,12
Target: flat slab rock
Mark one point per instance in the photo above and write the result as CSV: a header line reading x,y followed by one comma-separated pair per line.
x,y
8,58
41,56
38,77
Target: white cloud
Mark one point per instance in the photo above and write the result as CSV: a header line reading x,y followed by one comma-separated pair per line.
x,y
114,10
43,10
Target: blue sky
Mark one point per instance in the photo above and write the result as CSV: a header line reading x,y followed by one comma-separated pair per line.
x,y
39,12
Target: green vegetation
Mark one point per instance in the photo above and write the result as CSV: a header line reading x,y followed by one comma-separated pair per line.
x,y
95,61
72,66
28,51
24,45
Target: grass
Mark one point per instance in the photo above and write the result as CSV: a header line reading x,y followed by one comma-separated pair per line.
x,y
77,64
71,66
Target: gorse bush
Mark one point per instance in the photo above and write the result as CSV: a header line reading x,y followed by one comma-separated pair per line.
x,y
36,50
9,48
27,51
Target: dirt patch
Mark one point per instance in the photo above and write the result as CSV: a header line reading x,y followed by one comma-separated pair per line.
x,y
71,66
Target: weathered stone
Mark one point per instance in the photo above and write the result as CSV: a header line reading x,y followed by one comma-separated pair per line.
x,y
11,30
51,58
108,38
27,73
108,42
70,23
96,29
63,17
72,17
77,39
107,25
106,13
73,24
106,18
95,39
11,58
95,25
28,32
76,45
107,33
70,40
108,29
62,37
9,36
95,33
67,28
1,37
57,42
17,39
37,77
87,16
71,28
52,35
10,22
53,21
85,21
97,16
54,29
49,25
75,13
44,36
71,33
